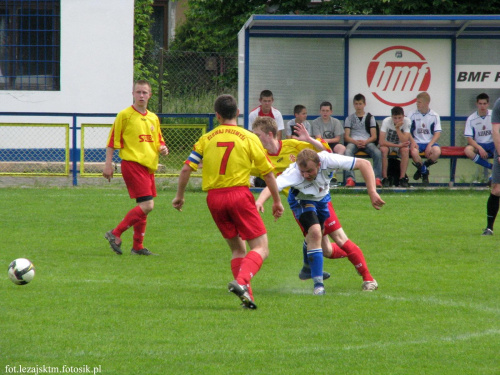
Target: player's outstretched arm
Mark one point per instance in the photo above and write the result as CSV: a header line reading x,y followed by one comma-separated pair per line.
x,y
265,194
275,193
184,176
366,170
304,136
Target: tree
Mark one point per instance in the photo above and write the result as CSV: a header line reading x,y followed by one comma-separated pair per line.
x,y
213,25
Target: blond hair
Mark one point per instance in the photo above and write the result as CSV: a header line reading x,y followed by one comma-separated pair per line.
x,y
424,96
266,125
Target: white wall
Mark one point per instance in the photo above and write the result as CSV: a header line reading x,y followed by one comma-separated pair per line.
x,y
96,63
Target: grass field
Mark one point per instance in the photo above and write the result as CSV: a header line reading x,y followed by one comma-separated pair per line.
x,y
436,311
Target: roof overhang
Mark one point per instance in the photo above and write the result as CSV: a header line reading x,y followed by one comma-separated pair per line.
x,y
445,26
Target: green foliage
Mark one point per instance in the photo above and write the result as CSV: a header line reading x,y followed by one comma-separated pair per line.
x,y
213,25
146,55
436,311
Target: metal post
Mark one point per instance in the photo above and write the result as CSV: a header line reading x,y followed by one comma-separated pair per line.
x,y
74,152
160,82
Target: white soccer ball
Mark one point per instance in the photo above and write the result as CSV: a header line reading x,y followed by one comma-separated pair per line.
x,y
21,271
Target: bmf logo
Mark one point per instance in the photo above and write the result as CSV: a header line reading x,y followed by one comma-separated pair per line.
x,y
397,74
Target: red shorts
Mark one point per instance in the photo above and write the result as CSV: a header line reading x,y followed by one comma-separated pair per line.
x,y
140,183
233,210
331,224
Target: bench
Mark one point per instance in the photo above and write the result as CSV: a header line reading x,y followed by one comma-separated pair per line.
x,y
447,152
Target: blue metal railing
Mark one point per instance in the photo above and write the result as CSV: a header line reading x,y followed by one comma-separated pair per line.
x,y
74,128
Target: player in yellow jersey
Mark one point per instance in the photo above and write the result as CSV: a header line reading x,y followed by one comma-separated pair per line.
x,y
284,152
136,133
228,153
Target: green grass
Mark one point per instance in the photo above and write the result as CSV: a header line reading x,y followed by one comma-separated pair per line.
x,y
436,311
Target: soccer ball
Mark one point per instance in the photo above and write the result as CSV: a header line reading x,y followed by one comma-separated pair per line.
x,y
21,271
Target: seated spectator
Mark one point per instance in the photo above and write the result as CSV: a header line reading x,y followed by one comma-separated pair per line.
x,y
425,131
329,128
395,137
360,135
300,113
480,145
266,109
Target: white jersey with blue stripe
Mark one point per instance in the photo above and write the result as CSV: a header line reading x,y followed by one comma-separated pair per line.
x,y
479,127
317,189
423,126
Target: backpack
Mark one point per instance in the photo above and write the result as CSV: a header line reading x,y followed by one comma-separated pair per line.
x,y
368,120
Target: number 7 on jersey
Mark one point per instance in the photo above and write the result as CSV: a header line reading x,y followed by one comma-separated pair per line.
x,y
229,147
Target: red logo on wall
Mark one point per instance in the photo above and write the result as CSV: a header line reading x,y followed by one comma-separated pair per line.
x,y
397,74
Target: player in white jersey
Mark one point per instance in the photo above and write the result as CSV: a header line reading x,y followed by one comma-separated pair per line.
x,y
493,203
266,109
425,131
309,178
480,145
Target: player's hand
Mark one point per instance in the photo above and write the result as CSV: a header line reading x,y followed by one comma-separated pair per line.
x,y
377,202
163,150
107,172
177,203
259,206
277,210
301,131
482,153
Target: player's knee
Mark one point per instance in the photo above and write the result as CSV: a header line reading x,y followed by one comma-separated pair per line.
x,y
146,204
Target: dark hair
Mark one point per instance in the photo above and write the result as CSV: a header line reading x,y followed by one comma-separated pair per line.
x,y
359,98
326,104
266,94
226,107
396,111
483,96
298,108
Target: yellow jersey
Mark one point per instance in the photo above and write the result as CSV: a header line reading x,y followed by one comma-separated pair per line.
x,y
137,136
287,154
228,153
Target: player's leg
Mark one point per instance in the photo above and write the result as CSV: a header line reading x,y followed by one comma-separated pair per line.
x,y
238,252
305,272
350,150
237,218
311,216
356,257
432,157
385,165
404,154
473,154
417,160
138,181
493,203
146,204
376,156
310,222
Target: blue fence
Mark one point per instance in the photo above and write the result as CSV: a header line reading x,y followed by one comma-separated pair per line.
x,y
58,154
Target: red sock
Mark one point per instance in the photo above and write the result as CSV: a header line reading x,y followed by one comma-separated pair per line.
x,y
235,266
139,232
250,265
337,252
356,257
133,216
235,269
